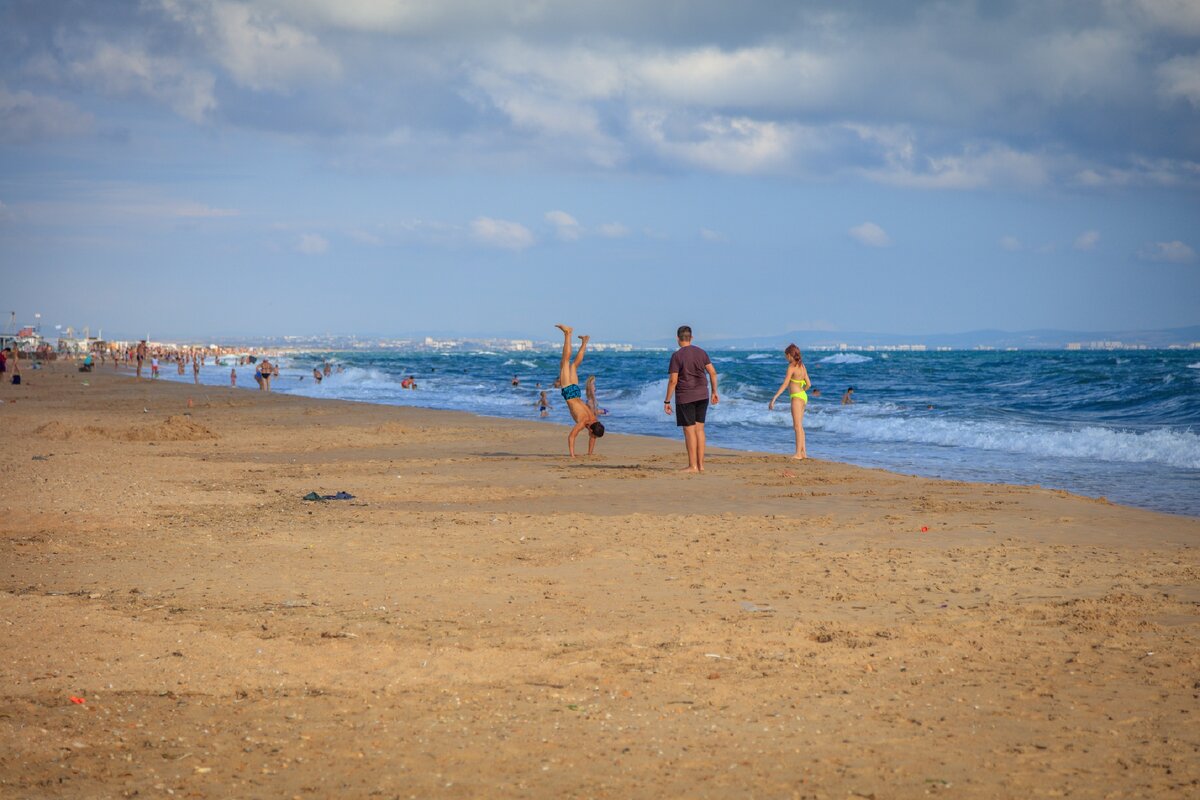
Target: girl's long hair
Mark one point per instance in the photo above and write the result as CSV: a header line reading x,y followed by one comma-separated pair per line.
x,y
793,353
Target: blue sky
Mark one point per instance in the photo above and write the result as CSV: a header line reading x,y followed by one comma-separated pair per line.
x,y
192,168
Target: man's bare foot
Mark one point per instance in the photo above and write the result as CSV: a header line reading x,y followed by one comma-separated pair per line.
x,y
583,337
799,458
565,329
692,470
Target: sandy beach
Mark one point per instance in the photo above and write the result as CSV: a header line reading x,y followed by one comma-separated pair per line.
x,y
487,618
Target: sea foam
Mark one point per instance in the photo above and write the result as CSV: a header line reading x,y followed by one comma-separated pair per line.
x,y
1169,447
845,358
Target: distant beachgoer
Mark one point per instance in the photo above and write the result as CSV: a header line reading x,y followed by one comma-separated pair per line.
x,y
543,404
4,362
797,379
568,376
141,356
196,370
412,381
516,381
691,370
339,369
847,400
317,374
264,369
589,389
179,364
233,376
328,369
154,367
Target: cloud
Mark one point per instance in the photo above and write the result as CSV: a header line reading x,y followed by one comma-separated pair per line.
x,y
1010,243
1015,94
364,237
975,165
1087,241
567,227
501,233
1175,252
255,47
129,70
311,244
26,117
613,230
200,211
1180,78
709,235
870,235
736,145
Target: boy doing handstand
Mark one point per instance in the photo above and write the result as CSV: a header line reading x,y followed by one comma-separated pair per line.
x,y
568,377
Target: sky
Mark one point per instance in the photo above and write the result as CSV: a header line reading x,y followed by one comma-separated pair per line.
x,y
205,168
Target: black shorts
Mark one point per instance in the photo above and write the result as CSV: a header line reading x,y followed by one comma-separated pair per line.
x,y
688,414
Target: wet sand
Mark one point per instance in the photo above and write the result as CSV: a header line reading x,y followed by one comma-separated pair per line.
x,y
488,618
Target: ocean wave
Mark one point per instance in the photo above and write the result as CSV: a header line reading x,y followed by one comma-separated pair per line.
x,y
1174,448
844,358
758,356
1194,366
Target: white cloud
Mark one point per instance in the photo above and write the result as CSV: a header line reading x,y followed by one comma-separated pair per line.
x,y
870,235
129,70
254,46
1173,15
261,53
1180,78
311,244
1087,240
977,165
26,117
1010,243
709,235
1175,252
567,226
764,77
613,230
737,145
501,233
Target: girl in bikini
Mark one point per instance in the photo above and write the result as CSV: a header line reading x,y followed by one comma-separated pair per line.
x,y
796,381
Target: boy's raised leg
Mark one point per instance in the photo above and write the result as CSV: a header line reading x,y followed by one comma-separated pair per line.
x,y
564,366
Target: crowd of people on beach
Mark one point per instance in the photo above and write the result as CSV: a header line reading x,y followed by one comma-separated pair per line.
x,y
692,384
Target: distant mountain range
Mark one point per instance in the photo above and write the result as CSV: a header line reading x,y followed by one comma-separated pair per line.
x,y
1026,340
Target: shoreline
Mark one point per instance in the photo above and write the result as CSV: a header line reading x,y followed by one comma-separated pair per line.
x,y
1099,496
487,617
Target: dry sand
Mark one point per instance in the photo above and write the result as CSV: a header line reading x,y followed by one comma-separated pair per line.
x,y
489,619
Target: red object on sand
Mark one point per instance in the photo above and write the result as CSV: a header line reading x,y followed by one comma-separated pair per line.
x,y
77,700
924,529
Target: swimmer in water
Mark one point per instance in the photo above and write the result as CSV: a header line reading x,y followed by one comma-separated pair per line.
x,y
847,400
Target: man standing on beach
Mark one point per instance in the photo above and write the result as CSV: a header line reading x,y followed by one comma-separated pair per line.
x,y
689,384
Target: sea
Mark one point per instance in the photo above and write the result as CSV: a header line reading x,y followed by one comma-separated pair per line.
x,y
1124,425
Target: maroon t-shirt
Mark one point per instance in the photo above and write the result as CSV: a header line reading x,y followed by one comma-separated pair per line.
x,y
690,363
